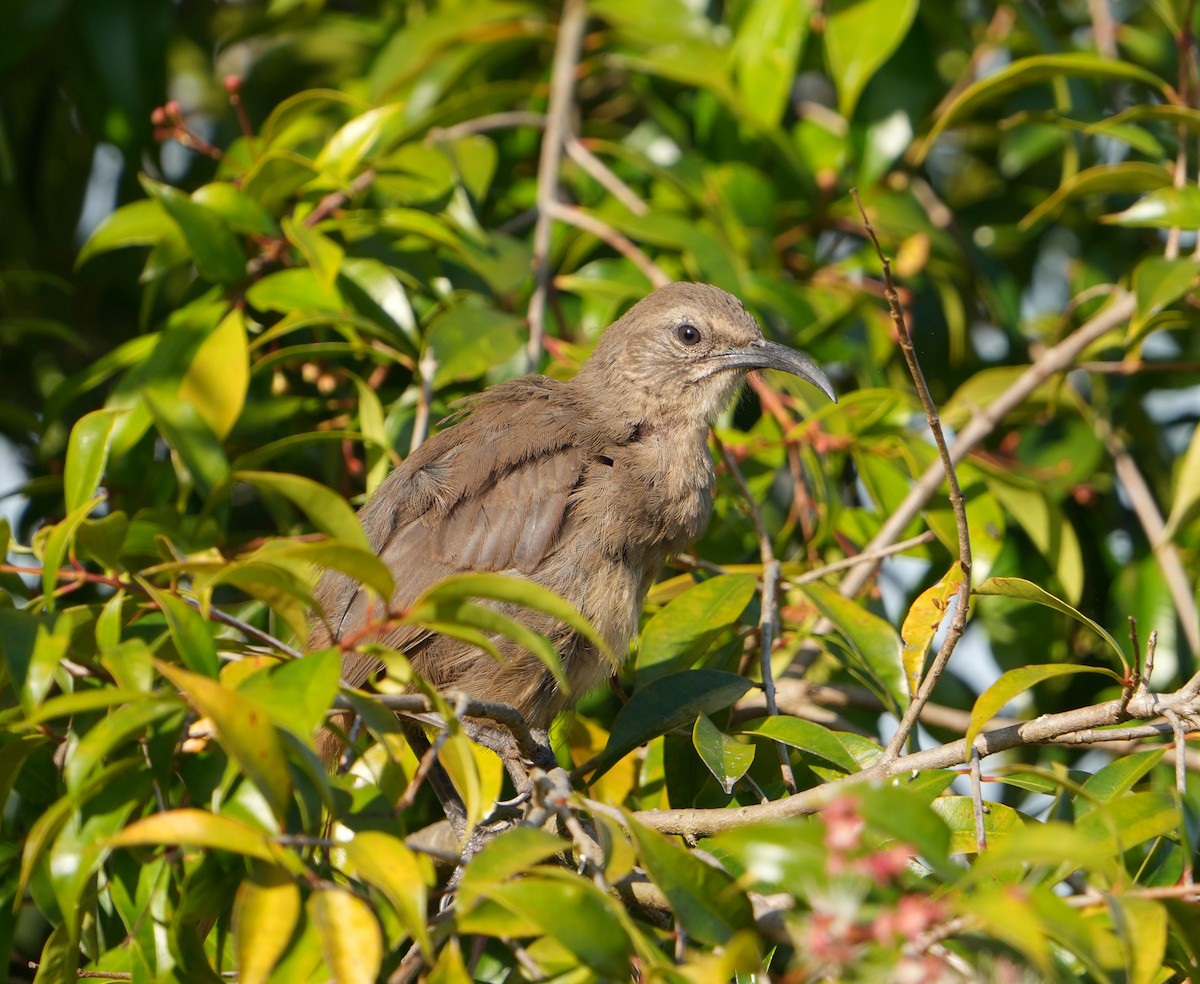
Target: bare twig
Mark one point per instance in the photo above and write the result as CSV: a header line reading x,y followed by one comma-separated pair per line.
x,y
1151,520
336,199
865,557
958,621
580,219
426,369
562,88
484,124
578,152
977,803
768,620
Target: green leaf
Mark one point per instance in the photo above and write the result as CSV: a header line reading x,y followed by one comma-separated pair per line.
x,y
707,902
199,828
516,591
244,730
242,212
1014,683
765,52
298,693
1125,177
1157,284
571,911
266,910
142,223
808,736
300,290
218,376
346,149
57,546
182,427
875,642
958,813
512,853
684,627
725,757
111,732
860,35
351,941
668,703
470,339
1119,777
1025,72
216,251
1016,587
1130,820
402,876
327,510
323,255
87,452
189,631
1164,208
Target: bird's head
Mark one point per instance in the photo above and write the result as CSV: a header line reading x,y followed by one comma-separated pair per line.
x,y
687,347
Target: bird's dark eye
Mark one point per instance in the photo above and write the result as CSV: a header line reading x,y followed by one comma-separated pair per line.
x,y
687,333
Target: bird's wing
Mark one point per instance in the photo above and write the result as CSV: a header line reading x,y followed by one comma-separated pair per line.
x,y
474,498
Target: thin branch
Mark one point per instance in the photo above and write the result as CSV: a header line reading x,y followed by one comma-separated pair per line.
x,y
336,199
1047,728
865,557
977,803
768,620
426,369
604,175
562,89
484,124
959,620
580,219
1155,528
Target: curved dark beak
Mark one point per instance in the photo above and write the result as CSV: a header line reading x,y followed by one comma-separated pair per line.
x,y
763,354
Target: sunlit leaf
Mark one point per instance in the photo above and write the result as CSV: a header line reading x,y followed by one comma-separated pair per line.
x,y
668,703
922,622
217,377
1014,683
351,941
244,730
860,35
87,452
265,912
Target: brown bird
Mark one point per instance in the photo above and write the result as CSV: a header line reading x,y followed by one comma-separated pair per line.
x,y
584,486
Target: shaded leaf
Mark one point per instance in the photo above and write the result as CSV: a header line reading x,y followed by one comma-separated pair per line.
x,y
1016,587
707,902
726,757
667,704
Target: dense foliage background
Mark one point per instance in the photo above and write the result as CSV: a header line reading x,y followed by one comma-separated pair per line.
x,y
254,251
